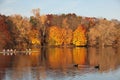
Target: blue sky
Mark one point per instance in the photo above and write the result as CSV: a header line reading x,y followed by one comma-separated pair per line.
x,y
109,9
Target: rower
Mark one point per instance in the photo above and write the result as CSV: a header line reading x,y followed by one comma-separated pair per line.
x,y
11,52
8,51
4,51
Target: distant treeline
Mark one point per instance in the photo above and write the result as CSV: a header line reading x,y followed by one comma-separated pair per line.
x,y
57,30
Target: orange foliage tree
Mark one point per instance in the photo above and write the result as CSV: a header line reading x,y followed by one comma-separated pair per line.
x,y
34,37
54,37
5,36
66,36
79,36
102,34
59,36
66,32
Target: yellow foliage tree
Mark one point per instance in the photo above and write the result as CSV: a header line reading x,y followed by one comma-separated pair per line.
x,y
59,36
34,37
66,36
54,37
66,33
79,36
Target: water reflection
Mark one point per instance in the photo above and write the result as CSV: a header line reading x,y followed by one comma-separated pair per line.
x,y
4,63
57,63
108,58
80,55
59,57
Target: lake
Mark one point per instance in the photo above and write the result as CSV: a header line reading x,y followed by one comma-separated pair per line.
x,y
58,63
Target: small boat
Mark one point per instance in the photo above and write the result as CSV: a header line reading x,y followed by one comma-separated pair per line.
x,y
86,66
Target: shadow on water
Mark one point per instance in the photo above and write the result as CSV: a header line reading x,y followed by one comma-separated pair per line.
x,y
58,63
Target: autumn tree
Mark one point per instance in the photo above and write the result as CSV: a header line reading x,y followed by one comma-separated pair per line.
x,y
5,37
117,26
60,35
73,20
49,20
39,23
56,20
36,12
79,36
34,22
66,33
54,37
34,37
104,33
20,30
43,29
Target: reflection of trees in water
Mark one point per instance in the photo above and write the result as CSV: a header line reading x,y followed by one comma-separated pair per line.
x,y
43,54
79,55
23,64
93,56
107,58
5,62
59,57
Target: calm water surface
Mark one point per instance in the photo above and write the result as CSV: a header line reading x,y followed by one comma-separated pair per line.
x,y
57,64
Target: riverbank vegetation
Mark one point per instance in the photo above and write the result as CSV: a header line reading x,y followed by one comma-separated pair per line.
x,y
57,30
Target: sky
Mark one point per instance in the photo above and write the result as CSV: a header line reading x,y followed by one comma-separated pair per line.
x,y
109,9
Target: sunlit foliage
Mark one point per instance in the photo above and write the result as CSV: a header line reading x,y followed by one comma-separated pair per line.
x,y
79,36
58,30
34,37
59,36
66,36
54,36
67,33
